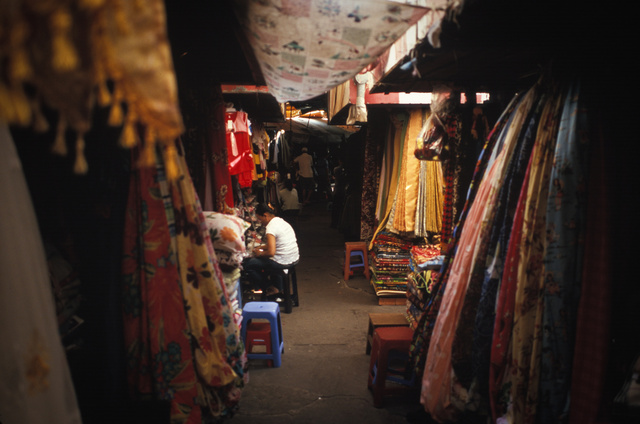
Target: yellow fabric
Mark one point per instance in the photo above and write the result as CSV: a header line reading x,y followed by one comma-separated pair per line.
x,y
434,196
68,51
393,163
407,192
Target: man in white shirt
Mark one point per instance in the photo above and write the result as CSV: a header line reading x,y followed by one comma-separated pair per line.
x,y
290,203
305,173
278,252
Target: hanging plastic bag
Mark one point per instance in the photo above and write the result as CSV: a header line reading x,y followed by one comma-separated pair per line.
x,y
431,143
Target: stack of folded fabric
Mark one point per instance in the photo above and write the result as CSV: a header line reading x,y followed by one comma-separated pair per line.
x,y
390,260
425,265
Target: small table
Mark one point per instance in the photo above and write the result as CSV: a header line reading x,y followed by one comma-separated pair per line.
x,y
384,320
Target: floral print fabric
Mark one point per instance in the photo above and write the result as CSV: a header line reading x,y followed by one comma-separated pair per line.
x,y
307,47
181,339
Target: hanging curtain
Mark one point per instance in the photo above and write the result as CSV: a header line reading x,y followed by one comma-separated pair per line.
x,y
181,339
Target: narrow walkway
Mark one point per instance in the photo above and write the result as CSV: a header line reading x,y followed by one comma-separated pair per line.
x,y
323,377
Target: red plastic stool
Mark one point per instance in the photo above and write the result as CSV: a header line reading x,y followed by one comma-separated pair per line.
x,y
355,249
259,334
390,363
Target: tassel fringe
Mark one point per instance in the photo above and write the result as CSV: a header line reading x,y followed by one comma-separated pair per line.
x,y
80,167
60,144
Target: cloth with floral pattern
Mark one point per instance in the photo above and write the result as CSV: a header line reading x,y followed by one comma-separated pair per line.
x,y
227,234
181,338
307,47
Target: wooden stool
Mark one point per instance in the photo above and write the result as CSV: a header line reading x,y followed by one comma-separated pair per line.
x,y
390,362
359,249
384,320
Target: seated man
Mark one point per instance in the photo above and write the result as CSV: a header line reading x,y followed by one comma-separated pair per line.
x,y
279,251
290,204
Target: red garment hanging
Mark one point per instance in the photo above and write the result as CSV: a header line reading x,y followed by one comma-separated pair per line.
x,y
239,147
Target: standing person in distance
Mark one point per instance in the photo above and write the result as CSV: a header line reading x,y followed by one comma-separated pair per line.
x,y
305,172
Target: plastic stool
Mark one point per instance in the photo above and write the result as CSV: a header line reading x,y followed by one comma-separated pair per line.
x,y
271,312
355,249
390,362
259,334
290,287
376,320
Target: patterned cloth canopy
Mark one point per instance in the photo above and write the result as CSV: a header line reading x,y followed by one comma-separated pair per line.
x,y
307,47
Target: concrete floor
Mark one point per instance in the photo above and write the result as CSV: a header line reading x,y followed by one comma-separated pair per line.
x,y
323,377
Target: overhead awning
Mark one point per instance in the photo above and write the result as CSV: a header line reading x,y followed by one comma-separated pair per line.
x,y
255,100
307,47
499,45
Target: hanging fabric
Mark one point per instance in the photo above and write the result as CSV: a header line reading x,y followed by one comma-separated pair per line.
x,y
594,312
177,315
35,382
424,328
239,151
62,55
307,47
565,226
403,212
218,195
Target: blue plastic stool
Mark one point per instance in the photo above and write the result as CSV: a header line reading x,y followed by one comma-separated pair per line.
x,y
271,312
355,249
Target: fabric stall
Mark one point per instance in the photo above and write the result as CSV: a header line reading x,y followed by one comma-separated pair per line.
x,y
417,194
512,282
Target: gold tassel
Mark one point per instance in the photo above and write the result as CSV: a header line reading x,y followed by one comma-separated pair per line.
x,y
129,137
148,153
170,161
40,123
19,67
60,144
65,57
104,97
80,167
6,110
116,114
21,107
